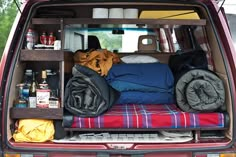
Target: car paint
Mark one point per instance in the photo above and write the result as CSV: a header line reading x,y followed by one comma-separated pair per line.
x,y
230,53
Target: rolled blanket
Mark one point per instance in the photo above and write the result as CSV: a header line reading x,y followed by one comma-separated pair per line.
x,y
199,90
87,94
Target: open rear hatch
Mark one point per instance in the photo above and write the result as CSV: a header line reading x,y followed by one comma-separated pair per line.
x,y
135,126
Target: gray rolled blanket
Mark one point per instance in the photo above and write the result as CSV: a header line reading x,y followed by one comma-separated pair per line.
x,y
87,94
199,90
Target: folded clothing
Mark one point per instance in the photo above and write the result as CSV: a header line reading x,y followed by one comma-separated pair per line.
x,y
87,94
98,60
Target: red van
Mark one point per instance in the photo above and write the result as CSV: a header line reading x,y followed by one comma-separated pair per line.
x,y
118,78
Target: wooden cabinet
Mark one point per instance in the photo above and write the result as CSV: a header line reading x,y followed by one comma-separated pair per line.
x,y
60,57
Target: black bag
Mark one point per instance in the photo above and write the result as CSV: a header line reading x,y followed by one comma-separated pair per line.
x,y
183,62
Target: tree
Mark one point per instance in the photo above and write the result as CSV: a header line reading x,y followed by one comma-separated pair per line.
x,y
4,4
8,12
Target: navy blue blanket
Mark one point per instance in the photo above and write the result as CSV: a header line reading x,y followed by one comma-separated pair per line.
x,y
142,77
150,83
137,97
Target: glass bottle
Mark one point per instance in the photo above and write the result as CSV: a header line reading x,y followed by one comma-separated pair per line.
x,y
20,102
32,92
43,84
51,39
27,82
30,39
43,92
44,38
53,100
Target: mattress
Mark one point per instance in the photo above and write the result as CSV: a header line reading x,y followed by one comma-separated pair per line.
x,y
159,116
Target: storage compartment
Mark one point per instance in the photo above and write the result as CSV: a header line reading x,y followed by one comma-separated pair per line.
x,y
156,123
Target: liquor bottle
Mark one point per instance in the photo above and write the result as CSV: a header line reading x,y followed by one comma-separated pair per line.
x,y
53,100
27,82
43,84
43,92
32,92
20,102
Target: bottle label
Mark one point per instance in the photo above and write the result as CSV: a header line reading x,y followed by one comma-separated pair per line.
x,y
32,102
53,104
43,96
25,93
43,86
30,39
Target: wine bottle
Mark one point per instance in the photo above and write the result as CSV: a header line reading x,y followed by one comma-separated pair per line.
x,y
43,84
32,92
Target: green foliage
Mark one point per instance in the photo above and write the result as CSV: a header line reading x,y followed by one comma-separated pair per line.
x,y
7,17
108,41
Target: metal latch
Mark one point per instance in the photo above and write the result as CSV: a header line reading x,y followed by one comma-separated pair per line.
x,y
120,146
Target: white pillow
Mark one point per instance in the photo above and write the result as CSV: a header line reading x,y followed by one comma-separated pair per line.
x,y
139,59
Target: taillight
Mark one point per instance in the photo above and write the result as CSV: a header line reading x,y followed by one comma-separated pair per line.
x,y
226,154
24,155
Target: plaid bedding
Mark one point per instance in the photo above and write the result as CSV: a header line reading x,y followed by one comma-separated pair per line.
x,y
150,116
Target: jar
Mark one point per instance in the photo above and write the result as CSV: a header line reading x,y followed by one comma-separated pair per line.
x,y
43,38
51,39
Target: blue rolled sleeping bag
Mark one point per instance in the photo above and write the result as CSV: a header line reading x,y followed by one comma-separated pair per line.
x,y
150,83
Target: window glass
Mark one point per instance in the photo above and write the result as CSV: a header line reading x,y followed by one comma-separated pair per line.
x,y
126,40
230,11
232,23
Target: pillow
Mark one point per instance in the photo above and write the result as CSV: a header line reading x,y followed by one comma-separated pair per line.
x,y
139,59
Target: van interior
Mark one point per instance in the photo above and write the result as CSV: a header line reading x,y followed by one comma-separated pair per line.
x,y
157,32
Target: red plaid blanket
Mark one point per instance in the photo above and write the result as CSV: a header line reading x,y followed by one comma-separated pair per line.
x,y
150,116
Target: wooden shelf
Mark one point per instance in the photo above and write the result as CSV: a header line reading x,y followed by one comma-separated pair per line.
x,y
66,21
38,21
42,55
41,113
